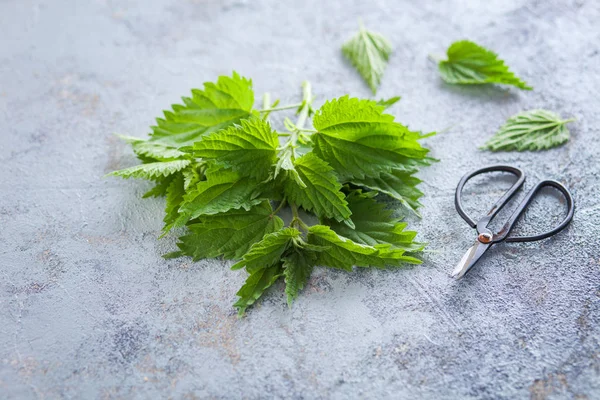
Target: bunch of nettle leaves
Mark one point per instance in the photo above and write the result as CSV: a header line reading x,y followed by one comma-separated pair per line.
x,y
227,175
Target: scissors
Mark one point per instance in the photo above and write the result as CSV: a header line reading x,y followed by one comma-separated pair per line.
x,y
485,237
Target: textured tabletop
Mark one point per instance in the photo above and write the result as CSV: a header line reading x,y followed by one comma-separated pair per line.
x,y
89,309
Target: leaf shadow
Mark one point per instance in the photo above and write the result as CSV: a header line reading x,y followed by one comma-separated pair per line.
x,y
485,92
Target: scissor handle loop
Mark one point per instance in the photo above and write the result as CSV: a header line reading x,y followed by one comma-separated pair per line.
x,y
505,231
482,223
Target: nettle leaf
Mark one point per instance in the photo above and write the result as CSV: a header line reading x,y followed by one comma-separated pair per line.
x,y
249,148
268,251
344,253
255,285
228,234
218,106
398,184
192,175
471,64
321,193
297,266
374,224
530,130
151,171
263,263
389,102
154,150
223,190
160,188
175,193
369,53
357,139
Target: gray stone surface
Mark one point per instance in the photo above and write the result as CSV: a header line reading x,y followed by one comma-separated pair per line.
x,y
89,309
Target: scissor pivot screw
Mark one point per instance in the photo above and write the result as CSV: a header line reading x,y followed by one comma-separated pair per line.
x,y
484,238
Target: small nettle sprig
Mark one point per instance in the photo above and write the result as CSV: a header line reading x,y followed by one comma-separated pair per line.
x,y
227,175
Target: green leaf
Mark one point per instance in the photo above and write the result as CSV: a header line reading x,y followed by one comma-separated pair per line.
x,y
343,253
228,234
223,190
322,192
258,281
530,130
249,148
153,170
268,251
374,224
389,102
398,184
161,187
297,267
369,53
285,163
192,175
154,150
218,106
175,194
357,139
468,63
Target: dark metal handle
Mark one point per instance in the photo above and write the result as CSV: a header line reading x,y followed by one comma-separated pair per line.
x,y
483,222
505,231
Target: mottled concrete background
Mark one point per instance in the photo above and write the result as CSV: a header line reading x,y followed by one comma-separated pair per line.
x,y
89,309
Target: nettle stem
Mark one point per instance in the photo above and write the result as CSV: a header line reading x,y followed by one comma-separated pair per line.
x,y
306,103
295,132
268,109
307,99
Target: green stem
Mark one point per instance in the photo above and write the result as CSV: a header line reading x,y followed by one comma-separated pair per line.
x,y
306,103
435,59
294,211
266,100
307,99
280,108
266,104
296,219
280,206
308,130
361,26
292,143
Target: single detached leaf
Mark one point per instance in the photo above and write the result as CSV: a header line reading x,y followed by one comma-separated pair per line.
x,y
343,253
322,192
256,284
223,190
530,130
374,224
389,102
153,170
468,63
297,267
218,106
268,251
228,234
369,53
249,148
398,184
357,139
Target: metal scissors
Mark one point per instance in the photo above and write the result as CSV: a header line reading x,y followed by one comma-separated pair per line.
x,y
485,237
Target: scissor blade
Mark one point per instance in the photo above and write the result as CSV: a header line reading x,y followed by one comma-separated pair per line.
x,y
469,259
